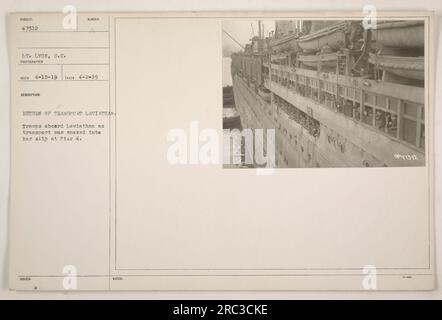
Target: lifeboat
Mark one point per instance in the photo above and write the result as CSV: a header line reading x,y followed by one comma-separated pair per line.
x,y
287,43
332,36
405,67
327,60
400,34
231,118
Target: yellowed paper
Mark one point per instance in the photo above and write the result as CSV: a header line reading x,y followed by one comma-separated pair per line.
x,y
119,179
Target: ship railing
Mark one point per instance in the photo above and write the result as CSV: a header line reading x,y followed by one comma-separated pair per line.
x,y
401,119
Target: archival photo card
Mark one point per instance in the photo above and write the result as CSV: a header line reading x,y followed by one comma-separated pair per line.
x,y
221,151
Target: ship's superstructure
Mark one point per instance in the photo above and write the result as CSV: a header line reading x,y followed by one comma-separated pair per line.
x,y
336,94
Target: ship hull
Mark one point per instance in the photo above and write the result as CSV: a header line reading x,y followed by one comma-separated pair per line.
x,y
296,147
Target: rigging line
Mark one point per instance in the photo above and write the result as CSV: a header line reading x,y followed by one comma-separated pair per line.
x,y
231,37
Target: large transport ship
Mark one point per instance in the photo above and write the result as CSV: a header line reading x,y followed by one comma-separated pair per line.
x,y
336,94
